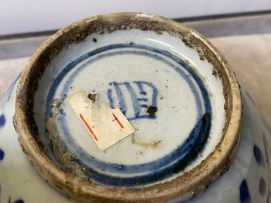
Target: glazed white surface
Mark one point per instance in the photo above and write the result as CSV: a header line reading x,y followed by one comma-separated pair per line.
x,y
176,111
20,181
243,165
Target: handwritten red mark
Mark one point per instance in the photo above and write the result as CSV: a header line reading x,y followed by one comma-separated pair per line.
x,y
116,118
88,127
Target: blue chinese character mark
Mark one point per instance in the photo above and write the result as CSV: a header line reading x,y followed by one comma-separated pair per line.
x,y
133,98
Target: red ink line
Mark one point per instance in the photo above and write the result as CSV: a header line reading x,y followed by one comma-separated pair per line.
x,y
116,118
88,127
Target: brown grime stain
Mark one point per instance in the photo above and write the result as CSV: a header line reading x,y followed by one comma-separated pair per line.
x,y
214,73
92,96
141,143
25,99
151,111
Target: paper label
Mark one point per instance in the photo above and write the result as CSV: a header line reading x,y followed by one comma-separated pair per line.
x,y
106,126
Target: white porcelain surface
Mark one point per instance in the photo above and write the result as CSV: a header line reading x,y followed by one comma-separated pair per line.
x,y
248,177
19,181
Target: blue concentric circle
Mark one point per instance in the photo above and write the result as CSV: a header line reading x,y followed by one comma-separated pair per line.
x,y
152,171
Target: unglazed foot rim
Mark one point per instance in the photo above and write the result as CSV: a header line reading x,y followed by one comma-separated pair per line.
x,y
187,184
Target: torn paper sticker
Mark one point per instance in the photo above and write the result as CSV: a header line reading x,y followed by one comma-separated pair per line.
x,y
106,126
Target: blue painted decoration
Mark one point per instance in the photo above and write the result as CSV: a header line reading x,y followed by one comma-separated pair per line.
x,y
2,120
244,192
258,154
2,154
9,91
155,170
9,198
12,86
182,157
19,201
262,186
138,94
16,201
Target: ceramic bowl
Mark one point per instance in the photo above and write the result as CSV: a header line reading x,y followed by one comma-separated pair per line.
x,y
198,137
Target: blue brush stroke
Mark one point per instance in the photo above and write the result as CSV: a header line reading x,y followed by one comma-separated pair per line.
x,y
244,192
173,162
2,120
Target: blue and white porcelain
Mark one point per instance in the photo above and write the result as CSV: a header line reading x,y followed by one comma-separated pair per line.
x,y
198,138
